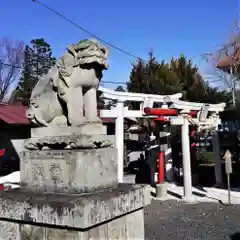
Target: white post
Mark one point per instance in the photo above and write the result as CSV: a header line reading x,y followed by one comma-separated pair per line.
x,y
119,139
187,176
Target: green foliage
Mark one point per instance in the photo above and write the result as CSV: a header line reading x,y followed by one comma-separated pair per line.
x,y
180,75
205,157
38,60
153,78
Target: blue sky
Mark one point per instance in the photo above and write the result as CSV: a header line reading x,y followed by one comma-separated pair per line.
x,y
167,27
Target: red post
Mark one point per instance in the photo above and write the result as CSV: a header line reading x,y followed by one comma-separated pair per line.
x,y
193,151
161,168
2,152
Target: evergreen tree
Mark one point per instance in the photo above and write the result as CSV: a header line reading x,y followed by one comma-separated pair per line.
x,y
38,60
179,76
41,57
152,78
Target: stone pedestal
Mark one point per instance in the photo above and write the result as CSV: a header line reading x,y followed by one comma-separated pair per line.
x,y
72,194
114,213
68,171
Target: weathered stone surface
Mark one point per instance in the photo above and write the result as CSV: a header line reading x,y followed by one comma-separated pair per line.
x,y
117,229
129,227
85,129
64,171
135,225
100,232
73,141
73,210
9,231
29,232
161,190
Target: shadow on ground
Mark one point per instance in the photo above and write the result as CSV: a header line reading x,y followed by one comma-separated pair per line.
x,y
235,236
195,193
174,194
178,220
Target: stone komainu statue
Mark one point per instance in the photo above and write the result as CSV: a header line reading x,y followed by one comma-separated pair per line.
x,y
66,95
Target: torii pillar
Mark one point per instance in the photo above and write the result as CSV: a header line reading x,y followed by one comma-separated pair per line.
x,y
118,114
187,174
119,138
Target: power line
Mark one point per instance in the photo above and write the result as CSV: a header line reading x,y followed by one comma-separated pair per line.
x,y
92,34
107,82
114,82
10,65
86,31
20,67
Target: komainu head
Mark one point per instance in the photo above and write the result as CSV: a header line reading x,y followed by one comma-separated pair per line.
x,y
85,53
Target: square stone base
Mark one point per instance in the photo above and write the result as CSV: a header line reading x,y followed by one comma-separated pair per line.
x,y
129,227
111,214
68,171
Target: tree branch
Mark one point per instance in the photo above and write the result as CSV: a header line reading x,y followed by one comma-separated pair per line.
x,y
11,57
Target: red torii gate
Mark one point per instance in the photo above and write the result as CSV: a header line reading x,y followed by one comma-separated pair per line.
x,y
162,114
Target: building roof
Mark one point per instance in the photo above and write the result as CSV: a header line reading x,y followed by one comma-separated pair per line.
x,y
230,61
13,114
16,114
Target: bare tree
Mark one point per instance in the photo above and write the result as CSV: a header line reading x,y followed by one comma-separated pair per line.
x,y
11,58
226,62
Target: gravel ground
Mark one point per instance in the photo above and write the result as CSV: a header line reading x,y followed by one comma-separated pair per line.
x,y
177,220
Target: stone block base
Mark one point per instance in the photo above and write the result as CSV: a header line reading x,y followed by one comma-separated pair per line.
x,y
10,231
110,214
68,171
127,227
